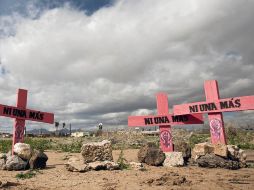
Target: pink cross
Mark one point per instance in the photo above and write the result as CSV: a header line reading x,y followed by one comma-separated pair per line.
x,y
164,120
214,106
21,114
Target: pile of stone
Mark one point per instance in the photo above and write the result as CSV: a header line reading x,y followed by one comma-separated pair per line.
x,y
151,155
180,156
218,155
94,156
24,157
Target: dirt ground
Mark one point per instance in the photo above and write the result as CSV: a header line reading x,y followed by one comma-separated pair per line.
x,y
55,176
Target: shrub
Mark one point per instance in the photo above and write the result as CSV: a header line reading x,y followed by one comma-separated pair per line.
x,y
73,147
5,145
198,138
38,143
122,162
27,175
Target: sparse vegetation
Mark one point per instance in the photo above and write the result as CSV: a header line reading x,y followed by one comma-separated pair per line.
x,y
27,175
123,164
198,138
74,146
5,145
243,139
130,140
39,143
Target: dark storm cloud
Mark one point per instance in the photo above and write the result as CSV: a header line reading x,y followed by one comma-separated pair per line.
x,y
110,64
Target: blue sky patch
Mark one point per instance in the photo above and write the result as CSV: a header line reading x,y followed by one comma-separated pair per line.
x,y
8,7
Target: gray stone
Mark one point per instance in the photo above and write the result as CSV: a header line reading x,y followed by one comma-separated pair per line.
x,y
23,150
185,149
242,156
236,154
3,156
76,164
214,161
201,149
2,164
15,163
103,165
97,151
38,160
233,152
173,159
136,166
221,150
151,155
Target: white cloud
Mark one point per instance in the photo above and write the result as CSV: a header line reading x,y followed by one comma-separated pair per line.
x,y
86,68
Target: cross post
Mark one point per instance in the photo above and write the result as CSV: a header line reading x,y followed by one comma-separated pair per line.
x,y
19,124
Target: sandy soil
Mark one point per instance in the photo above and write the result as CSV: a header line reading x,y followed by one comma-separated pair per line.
x,y
191,177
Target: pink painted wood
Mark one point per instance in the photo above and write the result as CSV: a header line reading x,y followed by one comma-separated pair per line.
x,y
26,114
216,122
214,106
21,114
164,120
19,124
166,140
222,105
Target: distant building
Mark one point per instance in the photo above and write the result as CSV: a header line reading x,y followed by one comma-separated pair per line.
x,y
80,134
151,133
5,135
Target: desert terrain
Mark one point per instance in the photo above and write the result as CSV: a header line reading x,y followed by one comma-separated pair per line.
x,y
55,176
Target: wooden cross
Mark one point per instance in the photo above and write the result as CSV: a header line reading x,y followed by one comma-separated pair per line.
x,y
214,106
21,114
164,120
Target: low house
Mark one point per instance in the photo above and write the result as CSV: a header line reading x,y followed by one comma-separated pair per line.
x,y
80,134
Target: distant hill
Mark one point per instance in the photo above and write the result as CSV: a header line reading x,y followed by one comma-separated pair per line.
x,y
39,131
63,131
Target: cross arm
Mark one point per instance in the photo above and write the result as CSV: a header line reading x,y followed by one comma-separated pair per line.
x,y
221,105
26,114
164,120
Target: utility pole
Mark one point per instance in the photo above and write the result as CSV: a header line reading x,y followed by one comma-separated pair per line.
x,y
70,129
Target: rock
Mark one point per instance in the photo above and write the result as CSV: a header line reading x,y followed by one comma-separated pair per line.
x,y
75,164
236,154
97,151
15,163
242,156
151,155
38,160
23,150
142,153
173,159
7,184
233,152
221,150
214,161
2,164
185,149
103,165
201,149
111,165
136,166
3,156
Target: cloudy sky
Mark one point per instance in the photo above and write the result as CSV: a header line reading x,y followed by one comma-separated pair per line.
x,y
95,61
